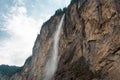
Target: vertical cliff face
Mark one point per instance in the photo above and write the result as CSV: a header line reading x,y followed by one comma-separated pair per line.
x,y
91,35
89,45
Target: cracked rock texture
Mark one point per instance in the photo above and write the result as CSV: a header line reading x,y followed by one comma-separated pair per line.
x,y
89,46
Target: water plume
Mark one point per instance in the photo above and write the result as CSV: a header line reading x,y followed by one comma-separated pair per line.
x,y
53,61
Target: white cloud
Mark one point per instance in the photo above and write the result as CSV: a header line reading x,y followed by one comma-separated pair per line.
x,y
23,30
19,2
60,2
18,10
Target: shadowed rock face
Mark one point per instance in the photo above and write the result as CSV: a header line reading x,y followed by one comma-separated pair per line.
x,y
89,46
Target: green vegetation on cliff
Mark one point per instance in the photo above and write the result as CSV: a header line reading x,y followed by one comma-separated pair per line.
x,y
6,70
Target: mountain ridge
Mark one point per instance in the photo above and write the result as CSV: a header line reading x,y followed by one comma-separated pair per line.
x,y
89,45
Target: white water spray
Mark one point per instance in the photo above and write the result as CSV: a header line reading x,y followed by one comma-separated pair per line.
x,y
53,61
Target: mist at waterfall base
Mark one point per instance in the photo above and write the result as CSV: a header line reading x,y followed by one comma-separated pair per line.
x,y
53,61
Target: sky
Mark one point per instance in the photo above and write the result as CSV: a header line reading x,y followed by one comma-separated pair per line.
x,y
20,22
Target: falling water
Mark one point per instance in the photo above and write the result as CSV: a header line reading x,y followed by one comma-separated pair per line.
x,y
52,63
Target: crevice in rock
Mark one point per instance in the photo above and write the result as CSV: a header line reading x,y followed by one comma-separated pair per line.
x,y
91,48
99,7
118,49
82,5
71,55
107,20
117,4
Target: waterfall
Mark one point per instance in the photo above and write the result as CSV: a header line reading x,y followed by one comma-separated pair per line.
x,y
53,61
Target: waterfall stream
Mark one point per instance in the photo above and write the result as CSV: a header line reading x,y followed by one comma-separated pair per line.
x,y
53,61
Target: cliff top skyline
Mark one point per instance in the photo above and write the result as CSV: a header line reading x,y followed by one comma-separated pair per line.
x,y
20,22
